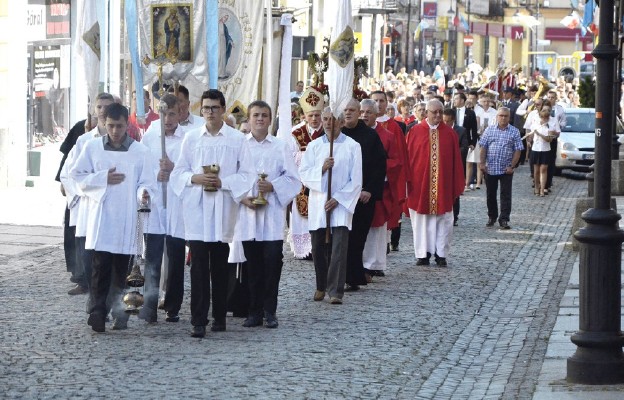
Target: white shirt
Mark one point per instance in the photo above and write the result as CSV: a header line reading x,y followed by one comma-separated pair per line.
x,y
169,221
112,209
211,216
461,112
271,156
490,115
346,180
539,144
193,121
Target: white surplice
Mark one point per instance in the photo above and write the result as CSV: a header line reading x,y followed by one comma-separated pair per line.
x,y
211,216
79,212
165,221
374,254
346,180
271,156
112,209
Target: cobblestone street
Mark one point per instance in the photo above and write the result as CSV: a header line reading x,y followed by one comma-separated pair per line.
x,y
477,329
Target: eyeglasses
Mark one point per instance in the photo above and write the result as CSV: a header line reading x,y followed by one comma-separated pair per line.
x,y
435,111
211,109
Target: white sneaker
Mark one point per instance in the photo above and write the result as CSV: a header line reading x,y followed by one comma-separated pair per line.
x,y
472,186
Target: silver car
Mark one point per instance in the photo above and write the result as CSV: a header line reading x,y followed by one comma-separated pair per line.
x,y
575,146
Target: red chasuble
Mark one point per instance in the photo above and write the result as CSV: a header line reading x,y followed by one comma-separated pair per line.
x,y
392,126
303,136
437,174
384,209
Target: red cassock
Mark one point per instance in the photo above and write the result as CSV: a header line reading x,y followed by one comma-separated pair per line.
x,y
437,174
384,209
402,177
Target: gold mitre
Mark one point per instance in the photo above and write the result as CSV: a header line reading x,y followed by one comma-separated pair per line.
x,y
311,100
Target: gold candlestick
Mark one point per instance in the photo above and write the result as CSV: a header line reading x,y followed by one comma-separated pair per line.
x,y
212,168
260,200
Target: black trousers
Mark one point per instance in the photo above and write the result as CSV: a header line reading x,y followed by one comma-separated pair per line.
x,y
69,245
551,163
175,273
264,270
238,290
109,273
362,220
395,236
208,268
491,182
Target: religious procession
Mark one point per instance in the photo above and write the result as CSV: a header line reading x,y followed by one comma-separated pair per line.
x,y
201,170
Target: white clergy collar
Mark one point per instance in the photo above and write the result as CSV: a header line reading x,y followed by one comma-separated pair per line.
x,y
383,118
432,126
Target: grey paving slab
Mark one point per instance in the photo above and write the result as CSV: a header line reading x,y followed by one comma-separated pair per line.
x,y
478,329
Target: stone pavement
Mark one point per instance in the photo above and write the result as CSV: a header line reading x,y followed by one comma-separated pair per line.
x,y
477,329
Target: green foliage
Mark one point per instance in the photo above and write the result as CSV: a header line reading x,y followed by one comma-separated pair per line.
x,y
587,92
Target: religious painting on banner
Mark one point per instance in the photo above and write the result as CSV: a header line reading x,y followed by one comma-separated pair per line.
x,y
240,40
173,36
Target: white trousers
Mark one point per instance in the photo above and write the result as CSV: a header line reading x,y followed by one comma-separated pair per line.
x,y
374,255
432,233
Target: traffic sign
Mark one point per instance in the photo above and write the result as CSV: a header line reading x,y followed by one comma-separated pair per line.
x,y
468,40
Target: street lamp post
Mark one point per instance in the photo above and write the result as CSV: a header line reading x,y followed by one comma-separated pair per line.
x,y
453,40
467,48
598,358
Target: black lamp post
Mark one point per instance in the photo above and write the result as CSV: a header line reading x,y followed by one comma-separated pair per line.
x,y
598,358
452,56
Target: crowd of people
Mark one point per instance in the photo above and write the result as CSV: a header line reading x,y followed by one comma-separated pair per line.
x,y
224,194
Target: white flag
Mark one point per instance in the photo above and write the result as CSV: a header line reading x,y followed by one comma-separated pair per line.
x,y
87,46
340,71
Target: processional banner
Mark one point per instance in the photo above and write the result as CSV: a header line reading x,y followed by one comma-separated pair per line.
x,y
172,40
240,50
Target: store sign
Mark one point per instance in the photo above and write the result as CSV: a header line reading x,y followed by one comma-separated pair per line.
x,y
35,22
430,9
46,71
58,19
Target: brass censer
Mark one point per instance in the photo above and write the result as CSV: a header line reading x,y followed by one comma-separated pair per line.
x,y
212,168
134,299
260,200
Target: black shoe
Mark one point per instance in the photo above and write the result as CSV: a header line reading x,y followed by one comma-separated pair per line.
x,y
250,322
490,222
351,288
422,261
455,223
504,225
394,247
378,272
271,321
172,316
149,317
308,257
441,262
388,248
217,326
96,322
198,331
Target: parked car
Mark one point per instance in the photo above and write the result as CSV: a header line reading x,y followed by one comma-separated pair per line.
x,y
575,146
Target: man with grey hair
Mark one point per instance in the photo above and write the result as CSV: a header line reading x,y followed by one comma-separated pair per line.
x,y
330,259
373,173
436,180
384,217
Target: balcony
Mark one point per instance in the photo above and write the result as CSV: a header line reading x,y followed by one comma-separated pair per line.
x,y
376,6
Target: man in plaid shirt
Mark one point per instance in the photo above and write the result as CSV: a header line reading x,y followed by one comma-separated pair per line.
x,y
500,151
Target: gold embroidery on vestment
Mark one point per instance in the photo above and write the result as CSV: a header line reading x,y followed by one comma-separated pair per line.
x,y
434,152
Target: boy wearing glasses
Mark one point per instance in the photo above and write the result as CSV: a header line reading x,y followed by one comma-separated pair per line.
x,y
436,179
213,174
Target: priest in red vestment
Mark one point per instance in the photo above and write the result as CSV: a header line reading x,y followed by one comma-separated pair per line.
x,y
374,255
399,136
436,180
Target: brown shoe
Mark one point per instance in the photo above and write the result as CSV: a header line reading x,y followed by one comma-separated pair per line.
x,y
77,290
319,295
335,300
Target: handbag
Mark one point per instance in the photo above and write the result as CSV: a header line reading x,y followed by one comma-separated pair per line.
x,y
302,202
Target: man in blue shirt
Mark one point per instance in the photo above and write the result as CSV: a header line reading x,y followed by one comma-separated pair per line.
x,y
500,151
